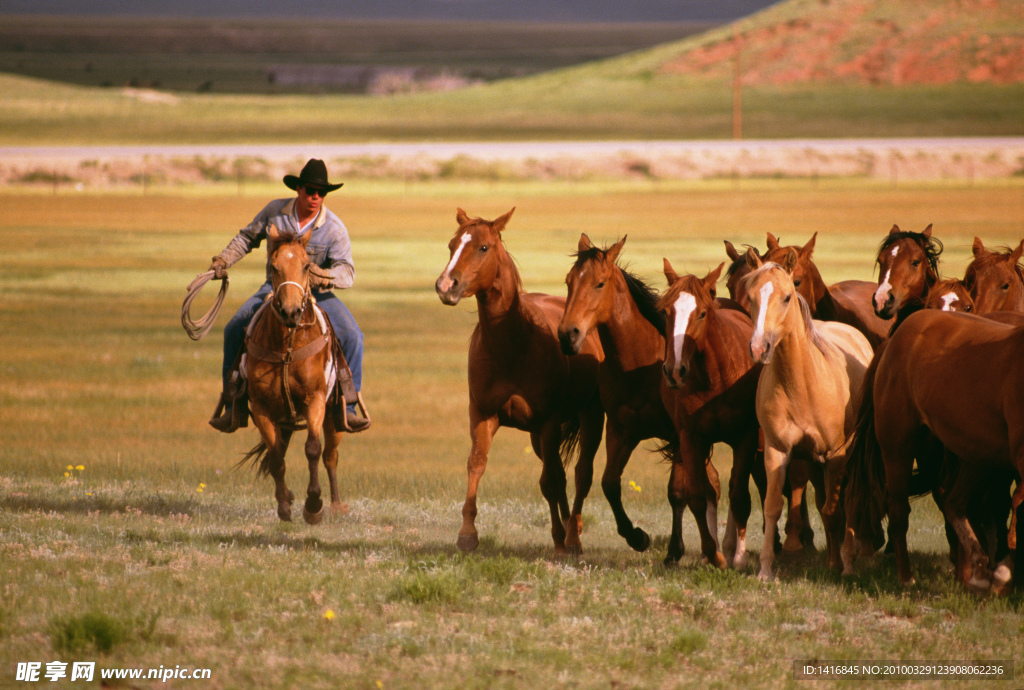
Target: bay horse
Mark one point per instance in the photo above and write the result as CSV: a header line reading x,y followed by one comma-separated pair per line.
x,y
996,279
960,379
519,378
908,268
712,383
618,307
807,395
288,366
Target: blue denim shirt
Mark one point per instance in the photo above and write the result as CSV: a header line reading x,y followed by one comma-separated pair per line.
x,y
329,247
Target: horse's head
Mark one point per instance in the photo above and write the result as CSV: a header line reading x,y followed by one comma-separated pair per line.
x,y
949,295
996,279
737,271
475,257
687,304
773,297
591,292
806,278
908,265
289,274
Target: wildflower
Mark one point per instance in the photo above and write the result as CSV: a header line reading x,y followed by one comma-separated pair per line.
x,y
633,485
329,615
80,468
201,487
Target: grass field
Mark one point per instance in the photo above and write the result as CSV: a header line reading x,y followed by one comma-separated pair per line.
x,y
128,538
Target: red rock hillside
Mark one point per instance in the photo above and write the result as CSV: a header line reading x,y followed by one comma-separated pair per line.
x,y
886,42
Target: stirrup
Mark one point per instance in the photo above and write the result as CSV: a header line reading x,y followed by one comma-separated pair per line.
x,y
350,423
232,410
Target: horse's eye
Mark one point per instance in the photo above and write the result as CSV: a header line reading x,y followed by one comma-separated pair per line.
x,y
967,308
787,298
1006,287
703,314
483,249
600,285
915,263
796,283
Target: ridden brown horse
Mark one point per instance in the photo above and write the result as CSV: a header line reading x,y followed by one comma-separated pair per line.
x,y
960,379
519,378
908,268
620,308
712,383
288,364
996,279
807,395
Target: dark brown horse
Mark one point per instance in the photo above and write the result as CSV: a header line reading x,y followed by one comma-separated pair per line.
x,y
954,377
908,268
519,378
712,385
288,366
996,279
622,310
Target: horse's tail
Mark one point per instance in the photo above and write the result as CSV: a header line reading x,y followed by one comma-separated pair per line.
x,y
866,496
258,457
569,450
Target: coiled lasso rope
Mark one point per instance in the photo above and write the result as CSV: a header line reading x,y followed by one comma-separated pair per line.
x,y
197,329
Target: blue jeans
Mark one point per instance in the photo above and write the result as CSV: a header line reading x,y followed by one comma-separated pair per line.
x,y
345,328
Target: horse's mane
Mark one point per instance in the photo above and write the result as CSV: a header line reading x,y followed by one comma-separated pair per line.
x,y
673,290
645,296
993,256
813,334
931,246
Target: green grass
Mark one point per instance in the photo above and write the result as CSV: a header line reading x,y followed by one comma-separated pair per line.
x,y
159,552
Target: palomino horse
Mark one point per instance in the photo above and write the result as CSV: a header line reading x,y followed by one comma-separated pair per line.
x,y
996,279
287,365
908,267
622,311
960,379
712,385
806,396
518,377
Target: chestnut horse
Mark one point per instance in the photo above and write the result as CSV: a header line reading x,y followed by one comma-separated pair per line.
x,y
714,381
519,378
807,395
908,268
960,379
287,364
622,310
996,279
949,294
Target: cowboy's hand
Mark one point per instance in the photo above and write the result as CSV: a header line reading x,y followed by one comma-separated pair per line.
x,y
319,279
219,268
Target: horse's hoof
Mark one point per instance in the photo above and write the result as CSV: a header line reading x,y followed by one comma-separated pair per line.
x,y
766,576
740,561
340,508
671,561
313,518
639,540
574,550
467,542
793,544
720,561
285,515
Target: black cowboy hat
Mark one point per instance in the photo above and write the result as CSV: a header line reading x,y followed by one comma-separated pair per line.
x,y
314,174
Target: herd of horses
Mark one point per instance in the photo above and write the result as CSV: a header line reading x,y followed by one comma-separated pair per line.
x,y
870,391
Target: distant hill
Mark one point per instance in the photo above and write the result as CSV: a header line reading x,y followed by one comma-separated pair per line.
x,y
890,42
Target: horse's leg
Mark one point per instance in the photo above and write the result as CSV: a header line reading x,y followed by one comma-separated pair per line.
x,y
481,432
826,481
591,423
619,448
552,481
797,522
897,481
332,439
313,509
776,462
691,486
276,440
972,569
734,546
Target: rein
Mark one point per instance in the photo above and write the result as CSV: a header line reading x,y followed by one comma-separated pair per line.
x,y
197,329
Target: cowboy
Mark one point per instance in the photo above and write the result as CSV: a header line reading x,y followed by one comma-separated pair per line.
x,y
330,252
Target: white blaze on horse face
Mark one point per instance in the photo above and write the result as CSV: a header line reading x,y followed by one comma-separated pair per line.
x,y
466,237
948,300
685,305
882,293
762,309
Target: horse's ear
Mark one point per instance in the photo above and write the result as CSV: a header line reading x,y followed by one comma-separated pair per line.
x,y
613,251
273,237
895,229
304,239
670,274
928,231
584,244
790,262
773,242
808,248
977,248
1015,256
730,251
711,279
500,222
753,260
460,217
